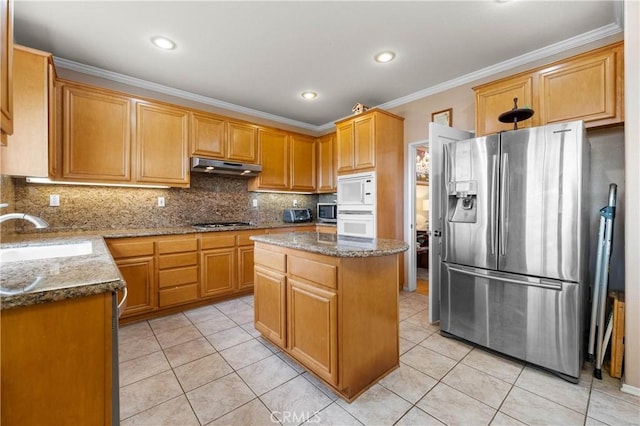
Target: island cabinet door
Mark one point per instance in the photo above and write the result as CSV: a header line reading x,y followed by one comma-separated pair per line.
x,y
269,289
313,328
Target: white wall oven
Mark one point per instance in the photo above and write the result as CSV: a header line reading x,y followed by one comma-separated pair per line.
x,y
357,223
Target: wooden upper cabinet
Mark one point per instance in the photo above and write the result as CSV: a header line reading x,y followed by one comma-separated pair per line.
x,y
96,134
215,137
274,158
364,146
208,135
585,88
28,152
588,87
303,163
356,142
162,140
344,154
495,98
242,142
326,164
6,70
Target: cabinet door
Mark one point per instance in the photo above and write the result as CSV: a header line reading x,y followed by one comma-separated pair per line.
x,y
6,72
344,136
364,146
582,89
274,157
245,267
208,135
218,272
242,144
141,288
96,135
313,328
495,98
270,304
57,363
27,153
303,163
326,148
162,144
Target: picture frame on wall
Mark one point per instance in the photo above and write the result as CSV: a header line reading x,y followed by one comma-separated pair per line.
x,y
444,117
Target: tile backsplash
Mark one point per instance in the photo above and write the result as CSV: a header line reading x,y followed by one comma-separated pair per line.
x,y
210,198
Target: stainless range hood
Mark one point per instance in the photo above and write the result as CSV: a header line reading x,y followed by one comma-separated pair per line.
x,y
207,165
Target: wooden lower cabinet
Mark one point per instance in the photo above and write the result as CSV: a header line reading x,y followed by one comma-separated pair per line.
x,y
338,317
57,363
245,267
218,271
136,262
269,304
313,328
168,273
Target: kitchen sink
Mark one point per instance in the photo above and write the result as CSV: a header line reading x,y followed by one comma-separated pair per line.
x,y
17,254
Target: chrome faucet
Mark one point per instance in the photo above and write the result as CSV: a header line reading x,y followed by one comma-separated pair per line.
x,y
38,222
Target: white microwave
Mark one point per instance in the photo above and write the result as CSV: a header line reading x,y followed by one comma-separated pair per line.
x,y
357,191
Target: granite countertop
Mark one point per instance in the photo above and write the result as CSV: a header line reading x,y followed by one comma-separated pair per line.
x,y
58,276
48,279
334,245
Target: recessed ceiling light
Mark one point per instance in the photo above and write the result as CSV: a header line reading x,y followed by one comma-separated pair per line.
x,y
163,43
384,57
309,95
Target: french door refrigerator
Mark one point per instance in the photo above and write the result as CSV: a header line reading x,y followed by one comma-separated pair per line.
x,y
514,244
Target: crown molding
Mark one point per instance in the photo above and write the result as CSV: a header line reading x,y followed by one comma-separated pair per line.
x,y
571,43
183,94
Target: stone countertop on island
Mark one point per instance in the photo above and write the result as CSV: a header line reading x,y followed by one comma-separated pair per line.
x,y
334,245
58,276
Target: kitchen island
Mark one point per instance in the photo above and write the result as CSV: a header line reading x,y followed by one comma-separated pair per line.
x,y
331,303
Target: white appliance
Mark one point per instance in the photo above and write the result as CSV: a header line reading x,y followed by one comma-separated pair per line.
x,y
357,205
357,191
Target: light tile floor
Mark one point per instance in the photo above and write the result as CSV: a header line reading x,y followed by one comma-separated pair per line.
x,y
210,366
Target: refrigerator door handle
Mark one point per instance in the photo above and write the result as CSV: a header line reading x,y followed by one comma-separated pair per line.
x,y
535,282
445,157
493,207
504,204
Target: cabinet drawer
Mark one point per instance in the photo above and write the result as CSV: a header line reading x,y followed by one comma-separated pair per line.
x,y
178,294
270,259
243,237
177,246
218,241
178,276
313,271
120,249
175,260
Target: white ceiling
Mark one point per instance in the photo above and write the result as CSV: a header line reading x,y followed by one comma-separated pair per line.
x,y
257,57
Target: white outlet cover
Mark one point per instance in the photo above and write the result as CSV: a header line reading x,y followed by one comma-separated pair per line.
x,y
161,202
255,202
54,200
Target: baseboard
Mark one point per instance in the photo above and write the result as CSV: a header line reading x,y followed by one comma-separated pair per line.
x,y
630,389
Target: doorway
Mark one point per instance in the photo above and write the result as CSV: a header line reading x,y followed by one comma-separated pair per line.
x,y
417,217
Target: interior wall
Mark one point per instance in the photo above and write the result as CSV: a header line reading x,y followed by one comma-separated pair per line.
x,y
632,180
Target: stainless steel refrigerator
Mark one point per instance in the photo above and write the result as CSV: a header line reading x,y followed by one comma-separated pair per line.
x,y
515,244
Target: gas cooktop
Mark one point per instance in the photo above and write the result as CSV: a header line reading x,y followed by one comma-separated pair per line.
x,y
209,225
